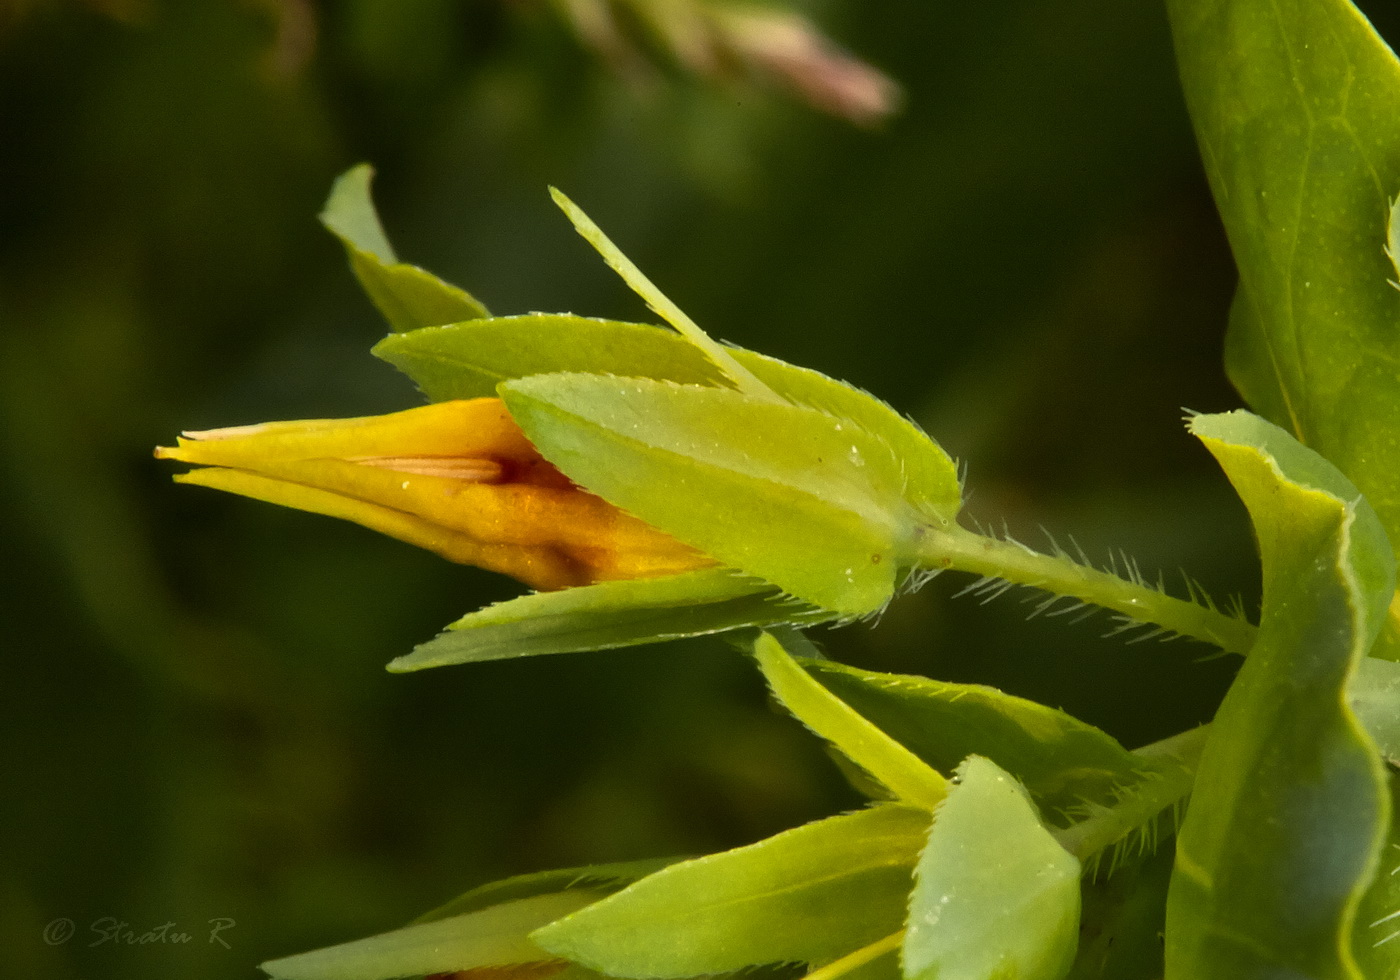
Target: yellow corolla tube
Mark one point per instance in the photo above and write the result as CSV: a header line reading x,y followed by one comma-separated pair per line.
x,y
457,477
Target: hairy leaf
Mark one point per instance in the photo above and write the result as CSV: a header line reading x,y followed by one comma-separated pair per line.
x,y
1062,761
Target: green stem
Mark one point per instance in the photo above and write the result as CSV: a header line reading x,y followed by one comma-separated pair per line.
x,y
859,958
1174,771
1012,562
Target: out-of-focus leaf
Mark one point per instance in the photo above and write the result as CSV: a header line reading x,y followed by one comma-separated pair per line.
x,y
610,614
1294,104
596,878
1062,761
409,297
494,936
809,894
785,493
894,766
1120,929
1290,809
994,895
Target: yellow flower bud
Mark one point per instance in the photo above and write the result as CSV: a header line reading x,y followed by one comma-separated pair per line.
x,y
458,478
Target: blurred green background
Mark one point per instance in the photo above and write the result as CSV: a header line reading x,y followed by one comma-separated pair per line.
x,y
196,720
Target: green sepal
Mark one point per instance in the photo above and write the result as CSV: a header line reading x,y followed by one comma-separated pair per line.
x,y
494,936
994,894
1063,762
810,894
469,360
907,776
1290,809
409,297
788,494
610,614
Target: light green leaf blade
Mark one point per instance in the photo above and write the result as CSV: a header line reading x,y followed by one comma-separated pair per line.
x,y
1061,760
610,614
889,762
409,297
1295,104
469,360
495,936
807,502
1284,828
809,894
994,894
598,879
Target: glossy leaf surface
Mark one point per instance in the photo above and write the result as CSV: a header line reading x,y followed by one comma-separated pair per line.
x,y
788,494
995,895
1283,831
1295,103
409,297
610,614
809,894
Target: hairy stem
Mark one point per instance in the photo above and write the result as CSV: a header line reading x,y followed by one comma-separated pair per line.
x,y
1171,782
1014,564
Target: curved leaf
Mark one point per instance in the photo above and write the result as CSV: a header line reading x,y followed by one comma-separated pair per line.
x,y
1283,832
409,297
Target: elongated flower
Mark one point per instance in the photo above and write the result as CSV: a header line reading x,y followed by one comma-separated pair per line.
x,y
456,477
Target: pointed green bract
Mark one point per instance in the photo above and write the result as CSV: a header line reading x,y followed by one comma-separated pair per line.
x,y
610,614
994,894
1290,809
495,936
1295,104
409,297
788,494
810,894
659,303
894,766
1061,760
